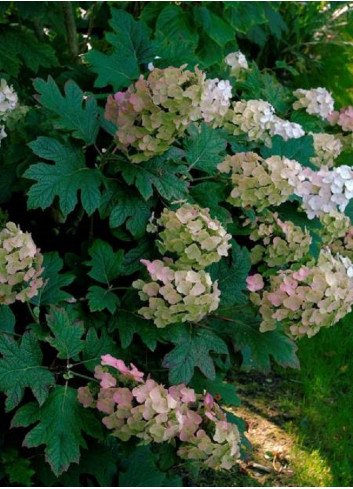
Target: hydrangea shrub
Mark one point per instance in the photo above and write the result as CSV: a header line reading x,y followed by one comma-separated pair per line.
x,y
188,208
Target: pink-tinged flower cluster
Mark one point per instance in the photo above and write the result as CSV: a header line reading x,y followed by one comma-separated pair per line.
x,y
20,265
260,183
308,299
325,190
155,111
135,407
257,119
152,113
281,241
343,118
327,148
194,236
317,101
176,295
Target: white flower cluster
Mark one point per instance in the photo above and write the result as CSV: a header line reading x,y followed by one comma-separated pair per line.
x,y
317,101
258,120
8,103
325,190
327,148
237,62
215,100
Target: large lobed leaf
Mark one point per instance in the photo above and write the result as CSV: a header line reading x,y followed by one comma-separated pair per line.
x,y
21,367
61,422
130,47
64,179
74,112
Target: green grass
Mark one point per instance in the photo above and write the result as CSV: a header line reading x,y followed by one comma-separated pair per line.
x,y
325,395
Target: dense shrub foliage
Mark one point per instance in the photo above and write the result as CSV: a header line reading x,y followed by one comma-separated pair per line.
x,y
175,205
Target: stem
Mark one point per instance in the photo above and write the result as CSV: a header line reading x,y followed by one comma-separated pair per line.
x,y
91,379
2,331
120,288
71,31
35,319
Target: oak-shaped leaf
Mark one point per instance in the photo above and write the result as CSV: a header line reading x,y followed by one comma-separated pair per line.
x,y
63,179
61,421
21,367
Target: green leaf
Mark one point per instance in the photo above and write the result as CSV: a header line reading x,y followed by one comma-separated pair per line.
x,y
177,24
244,15
134,211
142,470
20,47
131,47
215,27
7,320
121,205
18,469
131,262
100,299
20,367
106,264
210,194
64,179
95,347
156,173
301,149
224,392
193,350
67,332
257,348
51,293
75,113
231,275
61,423
129,324
204,148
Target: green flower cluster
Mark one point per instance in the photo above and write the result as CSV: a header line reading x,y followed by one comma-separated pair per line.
x,y
176,296
181,290
282,242
260,183
20,265
194,236
150,114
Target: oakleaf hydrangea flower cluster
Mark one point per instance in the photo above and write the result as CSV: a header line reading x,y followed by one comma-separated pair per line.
x,y
309,298
8,103
317,101
191,233
343,118
257,119
325,190
176,295
182,290
327,148
215,101
260,183
281,241
20,265
337,233
152,113
237,62
142,408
